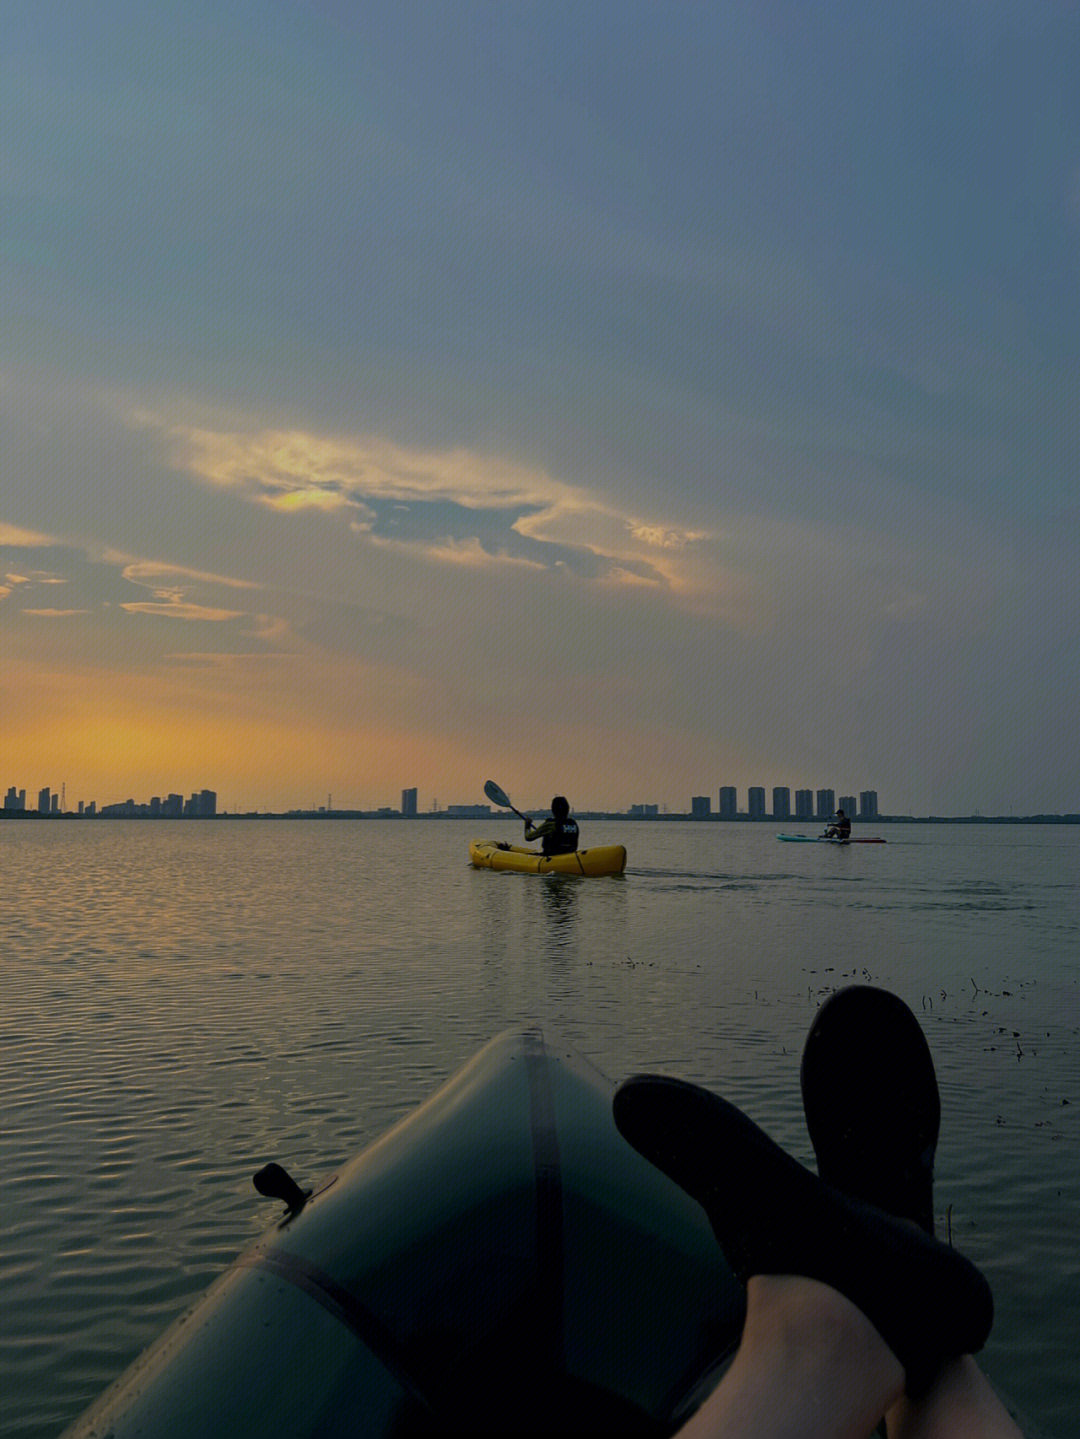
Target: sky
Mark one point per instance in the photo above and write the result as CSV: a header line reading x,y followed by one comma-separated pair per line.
x,y
617,399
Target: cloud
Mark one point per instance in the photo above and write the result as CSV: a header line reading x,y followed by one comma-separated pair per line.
x,y
15,537
172,607
149,571
667,539
455,505
53,614
107,590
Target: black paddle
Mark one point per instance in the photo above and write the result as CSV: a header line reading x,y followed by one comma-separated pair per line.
x,y
499,796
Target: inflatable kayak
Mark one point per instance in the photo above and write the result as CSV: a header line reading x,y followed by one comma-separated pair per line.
x,y
496,854
826,839
499,1262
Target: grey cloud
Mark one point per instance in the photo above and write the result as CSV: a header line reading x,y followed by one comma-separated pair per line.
x,y
442,522
40,570
53,581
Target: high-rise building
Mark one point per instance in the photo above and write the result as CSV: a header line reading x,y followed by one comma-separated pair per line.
x,y
700,806
755,801
729,802
408,803
826,803
207,803
781,802
868,804
846,802
804,804
44,801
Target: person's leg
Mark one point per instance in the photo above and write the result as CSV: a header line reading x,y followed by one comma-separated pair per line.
x,y
809,1366
873,1112
812,1366
961,1404
871,1101
773,1217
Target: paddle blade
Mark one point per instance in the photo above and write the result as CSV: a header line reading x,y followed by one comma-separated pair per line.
x,y
496,795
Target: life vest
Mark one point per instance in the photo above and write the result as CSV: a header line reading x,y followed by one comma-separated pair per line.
x,y
563,838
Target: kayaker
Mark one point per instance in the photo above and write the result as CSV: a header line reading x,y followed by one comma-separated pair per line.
x,y
854,1309
557,835
840,827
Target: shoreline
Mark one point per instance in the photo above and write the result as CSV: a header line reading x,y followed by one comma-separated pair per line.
x,y
623,816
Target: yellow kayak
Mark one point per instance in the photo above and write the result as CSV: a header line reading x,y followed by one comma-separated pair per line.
x,y
496,854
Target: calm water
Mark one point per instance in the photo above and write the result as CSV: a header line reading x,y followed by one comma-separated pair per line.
x,y
180,1002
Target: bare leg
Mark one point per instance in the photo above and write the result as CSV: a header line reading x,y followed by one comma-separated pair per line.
x,y
771,1216
961,1405
810,1366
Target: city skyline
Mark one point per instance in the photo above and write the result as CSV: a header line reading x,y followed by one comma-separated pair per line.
x,y
786,803
597,398
808,803
200,804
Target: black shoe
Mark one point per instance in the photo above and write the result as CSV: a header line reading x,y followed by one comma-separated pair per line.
x,y
871,1102
772,1216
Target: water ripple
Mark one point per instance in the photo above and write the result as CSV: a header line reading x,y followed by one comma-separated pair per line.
x,y
181,1003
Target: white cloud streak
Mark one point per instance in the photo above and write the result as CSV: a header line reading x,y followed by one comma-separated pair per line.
x,y
455,505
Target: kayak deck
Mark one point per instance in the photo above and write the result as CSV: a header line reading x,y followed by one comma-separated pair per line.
x,y
827,839
601,859
501,1261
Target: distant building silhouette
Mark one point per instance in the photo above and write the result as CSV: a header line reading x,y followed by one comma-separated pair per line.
x,y
201,806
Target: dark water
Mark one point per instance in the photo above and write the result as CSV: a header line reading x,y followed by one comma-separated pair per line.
x,y
180,1002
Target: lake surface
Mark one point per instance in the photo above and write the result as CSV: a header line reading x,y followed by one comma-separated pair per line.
x,y
181,1001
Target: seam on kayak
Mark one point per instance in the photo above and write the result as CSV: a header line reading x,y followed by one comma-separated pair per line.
x,y
348,1310
550,1248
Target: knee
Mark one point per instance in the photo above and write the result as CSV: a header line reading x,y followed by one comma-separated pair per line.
x,y
813,1325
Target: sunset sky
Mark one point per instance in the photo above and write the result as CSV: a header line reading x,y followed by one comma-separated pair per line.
x,y
623,399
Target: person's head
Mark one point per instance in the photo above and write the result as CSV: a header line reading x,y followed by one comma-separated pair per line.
x,y
840,814
560,807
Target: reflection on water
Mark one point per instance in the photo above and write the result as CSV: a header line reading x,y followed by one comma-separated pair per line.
x,y
559,895
180,1003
